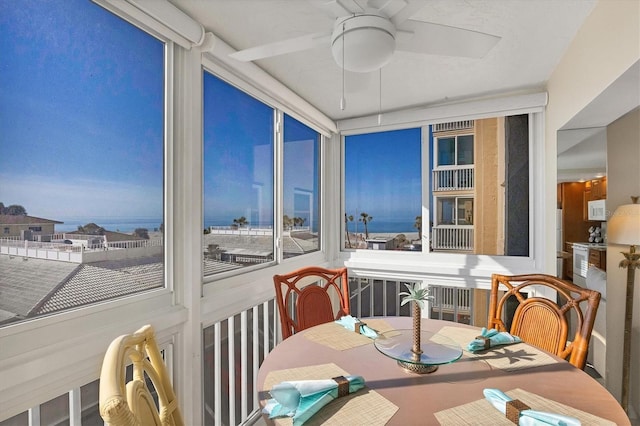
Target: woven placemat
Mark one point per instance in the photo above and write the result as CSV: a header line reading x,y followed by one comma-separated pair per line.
x,y
518,356
481,412
365,407
339,338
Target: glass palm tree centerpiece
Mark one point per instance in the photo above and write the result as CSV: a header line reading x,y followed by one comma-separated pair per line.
x,y
414,350
418,296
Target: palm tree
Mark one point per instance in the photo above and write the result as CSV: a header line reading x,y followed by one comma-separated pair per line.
x,y
240,222
347,219
417,296
418,225
365,218
287,222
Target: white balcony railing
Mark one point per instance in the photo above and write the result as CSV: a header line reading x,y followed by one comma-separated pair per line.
x,y
461,178
234,348
452,237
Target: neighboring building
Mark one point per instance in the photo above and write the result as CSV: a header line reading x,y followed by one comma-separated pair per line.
x,y
468,186
381,243
19,225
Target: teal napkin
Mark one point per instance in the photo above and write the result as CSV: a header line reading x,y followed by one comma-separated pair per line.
x,y
301,399
528,417
349,323
496,338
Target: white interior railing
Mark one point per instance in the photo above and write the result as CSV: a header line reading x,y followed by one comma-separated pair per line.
x,y
234,348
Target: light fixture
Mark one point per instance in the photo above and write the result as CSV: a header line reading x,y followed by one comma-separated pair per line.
x,y
624,229
369,39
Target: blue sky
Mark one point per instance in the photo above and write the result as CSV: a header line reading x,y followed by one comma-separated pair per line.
x,y
81,112
81,128
383,176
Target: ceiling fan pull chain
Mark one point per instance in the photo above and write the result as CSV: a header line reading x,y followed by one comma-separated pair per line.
x,y
380,101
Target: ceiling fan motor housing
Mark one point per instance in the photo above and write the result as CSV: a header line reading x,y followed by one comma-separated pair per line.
x,y
368,42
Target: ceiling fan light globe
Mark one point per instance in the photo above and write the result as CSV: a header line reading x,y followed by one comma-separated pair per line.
x,y
368,42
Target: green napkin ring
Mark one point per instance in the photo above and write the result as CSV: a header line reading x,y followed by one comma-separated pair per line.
x,y
513,409
343,385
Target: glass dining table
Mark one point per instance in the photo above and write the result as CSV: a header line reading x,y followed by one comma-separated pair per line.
x,y
452,394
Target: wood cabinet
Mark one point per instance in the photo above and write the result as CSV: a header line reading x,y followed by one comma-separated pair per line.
x,y
568,263
574,227
598,258
599,189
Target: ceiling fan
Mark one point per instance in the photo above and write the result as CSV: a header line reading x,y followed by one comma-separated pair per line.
x,y
366,33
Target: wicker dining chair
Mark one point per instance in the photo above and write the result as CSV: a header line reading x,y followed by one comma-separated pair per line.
x,y
311,296
130,402
542,322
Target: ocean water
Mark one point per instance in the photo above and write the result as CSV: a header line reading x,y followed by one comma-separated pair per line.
x,y
117,224
128,224
382,226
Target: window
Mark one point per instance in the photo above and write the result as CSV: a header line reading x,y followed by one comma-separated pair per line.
x,y
238,178
479,186
82,150
301,191
454,211
383,184
455,150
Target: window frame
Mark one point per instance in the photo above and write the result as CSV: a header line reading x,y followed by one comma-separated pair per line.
x,y
445,267
36,344
241,276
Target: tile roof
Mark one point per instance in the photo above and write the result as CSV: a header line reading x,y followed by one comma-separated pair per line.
x,y
261,245
12,219
211,267
37,286
94,284
24,283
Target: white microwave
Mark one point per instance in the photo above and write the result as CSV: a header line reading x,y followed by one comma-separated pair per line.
x,y
597,210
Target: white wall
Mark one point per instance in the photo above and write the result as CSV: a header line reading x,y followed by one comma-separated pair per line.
x,y
606,46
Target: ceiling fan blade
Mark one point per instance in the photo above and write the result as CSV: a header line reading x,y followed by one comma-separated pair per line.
x,y
337,8
436,39
411,8
387,8
296,44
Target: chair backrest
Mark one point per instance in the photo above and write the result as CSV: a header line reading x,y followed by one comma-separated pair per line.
x,y
543,322
311,296
130,403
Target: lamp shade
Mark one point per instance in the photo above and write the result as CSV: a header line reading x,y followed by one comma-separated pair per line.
x,y
624,226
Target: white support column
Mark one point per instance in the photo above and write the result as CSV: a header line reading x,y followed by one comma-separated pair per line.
x,y
75,407
34,416
184,223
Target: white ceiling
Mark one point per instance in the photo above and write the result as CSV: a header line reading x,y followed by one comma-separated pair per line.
x,y
534,36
